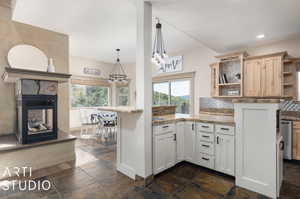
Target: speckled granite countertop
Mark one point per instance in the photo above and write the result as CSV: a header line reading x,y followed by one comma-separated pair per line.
x,y
290,115
208,118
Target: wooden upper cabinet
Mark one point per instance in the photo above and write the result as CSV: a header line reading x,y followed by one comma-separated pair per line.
x,y
214,79
252,77
271,77
263,76
260,76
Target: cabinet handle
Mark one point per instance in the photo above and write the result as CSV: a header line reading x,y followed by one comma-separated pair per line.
x,y
207,146
217,139
205,136
205,127
165,127
193,126
225,129
206,159
175,137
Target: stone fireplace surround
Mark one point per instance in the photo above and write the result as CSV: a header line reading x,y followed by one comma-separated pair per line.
x,y
16,154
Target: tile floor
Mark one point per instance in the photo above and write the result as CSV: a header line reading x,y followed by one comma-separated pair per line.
x,y
94,176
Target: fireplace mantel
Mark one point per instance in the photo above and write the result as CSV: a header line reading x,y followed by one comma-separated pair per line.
x,y
11,75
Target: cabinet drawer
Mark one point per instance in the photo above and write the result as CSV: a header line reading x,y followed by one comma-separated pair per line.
x,y
161,129
227,130
207,148
205,127
206,161
207,137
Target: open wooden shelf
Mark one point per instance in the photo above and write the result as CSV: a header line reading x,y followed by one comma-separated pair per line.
x,y
11,75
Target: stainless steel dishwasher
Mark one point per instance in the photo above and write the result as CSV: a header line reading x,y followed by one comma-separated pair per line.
x,y
287,133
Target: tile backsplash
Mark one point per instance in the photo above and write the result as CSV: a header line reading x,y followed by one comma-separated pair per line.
x,y
290,106
213,103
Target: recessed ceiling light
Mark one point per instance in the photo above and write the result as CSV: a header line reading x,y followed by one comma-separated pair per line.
x,y
261,36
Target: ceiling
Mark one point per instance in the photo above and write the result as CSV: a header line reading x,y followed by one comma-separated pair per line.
x,y
98,27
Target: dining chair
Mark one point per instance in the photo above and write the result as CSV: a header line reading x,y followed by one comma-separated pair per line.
x,y
108,121
89,123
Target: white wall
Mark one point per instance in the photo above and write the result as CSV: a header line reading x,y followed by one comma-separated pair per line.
x,y
77,64
292,46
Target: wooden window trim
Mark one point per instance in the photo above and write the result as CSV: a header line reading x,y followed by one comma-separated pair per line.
x,y
175,76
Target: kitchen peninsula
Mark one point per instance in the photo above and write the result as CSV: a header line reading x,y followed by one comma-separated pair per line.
x,y
126,135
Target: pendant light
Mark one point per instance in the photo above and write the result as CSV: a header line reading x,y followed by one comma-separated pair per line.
x,y
159,52
118,74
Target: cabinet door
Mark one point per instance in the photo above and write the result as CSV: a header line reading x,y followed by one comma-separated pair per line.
x,y
296,140
189,141
180,141
271,77
225,158
214,79
252,79
170,150
159,153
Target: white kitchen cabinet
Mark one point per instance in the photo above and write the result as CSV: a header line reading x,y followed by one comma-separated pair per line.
x,y
225,154
170,150
159,161
180,127
206,160
256,154
189,142
164,152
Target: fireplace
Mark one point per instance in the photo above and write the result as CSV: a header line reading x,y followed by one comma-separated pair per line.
x,y
37,113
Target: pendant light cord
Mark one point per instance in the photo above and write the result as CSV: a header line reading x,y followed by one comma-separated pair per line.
x,y
184,32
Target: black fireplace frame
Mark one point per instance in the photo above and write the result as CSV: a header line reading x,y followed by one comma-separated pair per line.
x,y
31,102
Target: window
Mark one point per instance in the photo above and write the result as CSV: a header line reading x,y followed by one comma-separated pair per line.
x,y
173,92
161,93
89,96
123,96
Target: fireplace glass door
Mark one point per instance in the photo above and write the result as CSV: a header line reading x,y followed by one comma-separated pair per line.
x,y
40,121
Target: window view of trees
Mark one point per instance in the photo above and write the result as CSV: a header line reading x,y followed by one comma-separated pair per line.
x,y
175,92
123,96
161,93
89,96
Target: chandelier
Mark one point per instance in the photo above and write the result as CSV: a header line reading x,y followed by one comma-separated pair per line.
x,y
159,52
118,74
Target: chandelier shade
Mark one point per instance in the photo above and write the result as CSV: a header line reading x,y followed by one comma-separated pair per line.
x,y
159,53
118,74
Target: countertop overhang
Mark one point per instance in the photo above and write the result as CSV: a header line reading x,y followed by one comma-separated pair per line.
x,y
207,118
121,109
